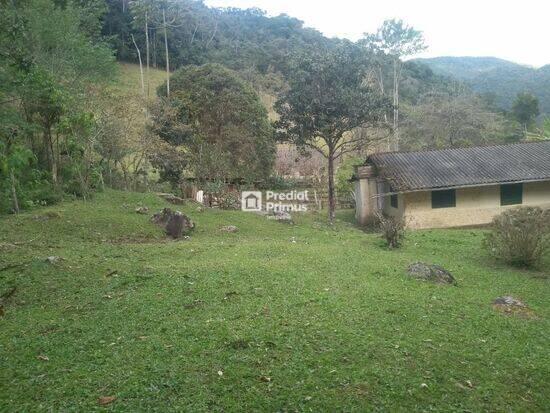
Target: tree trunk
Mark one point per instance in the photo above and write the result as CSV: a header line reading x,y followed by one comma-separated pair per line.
x,y
51,154
147,51
14,192
395,146
140,66
167,56
331,199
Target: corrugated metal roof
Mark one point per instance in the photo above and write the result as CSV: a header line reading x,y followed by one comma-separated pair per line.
x,y
447,168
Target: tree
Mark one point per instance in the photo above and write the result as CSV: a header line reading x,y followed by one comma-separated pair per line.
x,y
51,63
327,98
395,40
525,109
221,122
440,120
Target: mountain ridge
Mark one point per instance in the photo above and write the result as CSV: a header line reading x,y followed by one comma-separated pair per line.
x,y
498,79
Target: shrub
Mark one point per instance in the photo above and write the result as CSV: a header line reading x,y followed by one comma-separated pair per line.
x,y
229,200
392,230
519,236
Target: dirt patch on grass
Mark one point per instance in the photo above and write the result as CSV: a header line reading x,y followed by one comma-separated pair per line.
x,y
522,312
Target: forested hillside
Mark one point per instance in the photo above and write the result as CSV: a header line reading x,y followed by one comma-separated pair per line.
x,y
200,93
498,79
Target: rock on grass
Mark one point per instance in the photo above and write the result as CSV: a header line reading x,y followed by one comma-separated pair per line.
x,y
430,272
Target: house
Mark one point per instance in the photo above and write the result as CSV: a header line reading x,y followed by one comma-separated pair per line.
x,y
453,187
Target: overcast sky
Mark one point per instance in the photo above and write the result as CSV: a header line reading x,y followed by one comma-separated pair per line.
x,y
512,30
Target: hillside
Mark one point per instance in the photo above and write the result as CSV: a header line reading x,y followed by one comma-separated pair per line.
x,y
497,78
275,317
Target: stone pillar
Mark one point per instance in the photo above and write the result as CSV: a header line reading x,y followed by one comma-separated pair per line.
x,y
366,190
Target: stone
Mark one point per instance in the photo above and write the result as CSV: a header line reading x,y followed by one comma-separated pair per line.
x,y
176,224
53,260
430,272
509,301
161,218
143,210
229,228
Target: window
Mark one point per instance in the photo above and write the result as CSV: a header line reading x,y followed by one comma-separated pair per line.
x,y
444,199
511,194
394,200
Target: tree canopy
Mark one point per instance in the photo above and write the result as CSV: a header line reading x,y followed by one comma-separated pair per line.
x,y
328,97
221,121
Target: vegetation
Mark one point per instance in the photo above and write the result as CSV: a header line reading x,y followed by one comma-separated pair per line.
x,y
525,109
220,122
499,80
396,41
273,317
71,125
392,229
51,64
327,98
520,236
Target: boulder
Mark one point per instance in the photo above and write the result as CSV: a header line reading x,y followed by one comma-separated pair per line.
x,y
229,228
430,272
161,218
143,210
176,224
509,301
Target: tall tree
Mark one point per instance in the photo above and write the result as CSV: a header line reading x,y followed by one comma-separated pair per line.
x,y
396,40
525,109
221,123
328,96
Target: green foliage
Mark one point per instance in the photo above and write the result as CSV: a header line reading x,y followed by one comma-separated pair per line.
x,y
221,122
229,200
520,236
394,38
345,172
501,79
327,98
239,39
52,56
276,183
455,119
525,109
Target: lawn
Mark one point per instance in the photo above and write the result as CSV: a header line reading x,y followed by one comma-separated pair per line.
x,y
276,317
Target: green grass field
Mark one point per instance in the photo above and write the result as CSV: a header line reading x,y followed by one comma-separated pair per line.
x,y
273,318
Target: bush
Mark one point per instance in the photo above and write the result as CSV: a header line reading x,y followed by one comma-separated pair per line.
x,y
519,236
229,200
392,229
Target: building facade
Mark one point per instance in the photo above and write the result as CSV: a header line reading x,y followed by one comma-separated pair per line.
x,y
453,187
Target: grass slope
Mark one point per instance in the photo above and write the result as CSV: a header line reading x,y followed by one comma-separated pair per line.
x,y
272,318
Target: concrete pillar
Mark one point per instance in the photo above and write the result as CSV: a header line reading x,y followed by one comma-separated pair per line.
x,y
366,189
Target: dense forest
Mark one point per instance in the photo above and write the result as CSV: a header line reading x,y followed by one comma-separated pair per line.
x,y
238,92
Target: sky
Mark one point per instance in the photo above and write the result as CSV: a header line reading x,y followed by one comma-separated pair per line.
x,y
513,30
